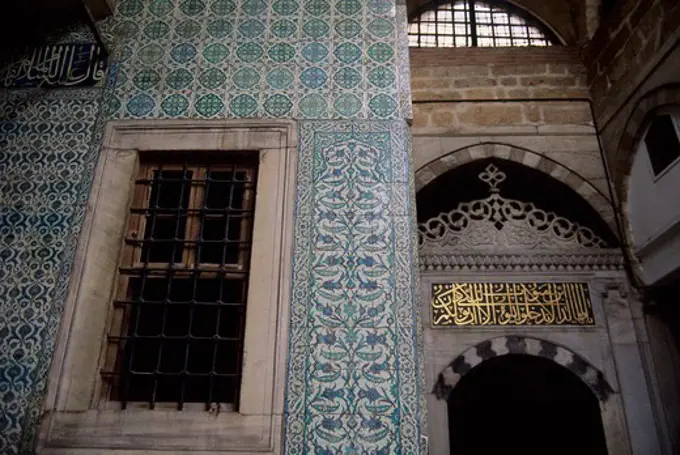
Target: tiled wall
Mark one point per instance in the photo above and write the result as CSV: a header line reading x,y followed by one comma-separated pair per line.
x,y
354,383
314,59
341,67
47,150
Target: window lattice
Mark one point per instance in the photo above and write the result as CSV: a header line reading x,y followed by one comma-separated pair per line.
x,y
467,23
179,316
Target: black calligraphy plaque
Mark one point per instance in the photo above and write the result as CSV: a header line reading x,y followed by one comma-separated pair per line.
x,y
483,304
57,65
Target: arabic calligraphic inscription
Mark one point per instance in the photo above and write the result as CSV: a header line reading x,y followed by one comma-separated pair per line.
x,y
58,65
475,304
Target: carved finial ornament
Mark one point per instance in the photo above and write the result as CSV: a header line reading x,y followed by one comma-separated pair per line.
x,y
493,177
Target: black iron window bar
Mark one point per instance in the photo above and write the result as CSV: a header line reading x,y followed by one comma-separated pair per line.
x,y
474,23
178,321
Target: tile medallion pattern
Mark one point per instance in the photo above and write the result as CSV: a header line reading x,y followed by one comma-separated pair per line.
x,y
313,59
355,372
48,145
354,377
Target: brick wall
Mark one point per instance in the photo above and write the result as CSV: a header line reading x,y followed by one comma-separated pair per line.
x,y
500,73
623,48
530,99
442,78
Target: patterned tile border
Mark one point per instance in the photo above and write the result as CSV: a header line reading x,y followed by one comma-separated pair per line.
x,y
354,376
49,141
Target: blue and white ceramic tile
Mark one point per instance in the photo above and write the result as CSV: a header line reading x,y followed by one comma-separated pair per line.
x,y
298,47
48,141
354,376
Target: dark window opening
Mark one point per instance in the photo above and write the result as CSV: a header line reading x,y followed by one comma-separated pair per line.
x,y
179,317
663,146
464,23
524,404
607,7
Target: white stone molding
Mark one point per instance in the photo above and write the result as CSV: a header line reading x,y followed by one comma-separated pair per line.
x,y
497,233
78,419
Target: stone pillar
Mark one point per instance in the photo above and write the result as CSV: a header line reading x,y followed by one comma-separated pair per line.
x,y
664,369
627,348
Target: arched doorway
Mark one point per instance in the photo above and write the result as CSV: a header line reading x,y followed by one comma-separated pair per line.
x,y
501,244
524,404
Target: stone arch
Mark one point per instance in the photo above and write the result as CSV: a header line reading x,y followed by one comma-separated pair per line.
x,y
572,179
513,344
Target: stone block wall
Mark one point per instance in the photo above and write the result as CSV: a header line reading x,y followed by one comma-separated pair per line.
x,y
501,73
624,47
634,57
530,99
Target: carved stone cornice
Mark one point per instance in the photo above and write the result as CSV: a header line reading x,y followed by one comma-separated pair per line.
x,y
501,234
546,261
495,222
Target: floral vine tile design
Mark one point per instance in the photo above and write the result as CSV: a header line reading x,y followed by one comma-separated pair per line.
x,y
354,377
317,59
48,146
341,61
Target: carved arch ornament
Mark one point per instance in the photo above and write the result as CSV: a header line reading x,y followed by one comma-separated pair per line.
x,y
534,160
500,223
497,233
513,344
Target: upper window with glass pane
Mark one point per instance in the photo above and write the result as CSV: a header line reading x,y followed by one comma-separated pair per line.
x,y
465,23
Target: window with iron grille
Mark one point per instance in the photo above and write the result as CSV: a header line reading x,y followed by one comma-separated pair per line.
x,y
466,23
179,315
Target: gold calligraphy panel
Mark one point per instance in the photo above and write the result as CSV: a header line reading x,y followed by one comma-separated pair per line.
x,y
470,304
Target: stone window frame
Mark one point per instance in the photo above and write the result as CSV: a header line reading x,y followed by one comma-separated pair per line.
x,y
674,115
76,419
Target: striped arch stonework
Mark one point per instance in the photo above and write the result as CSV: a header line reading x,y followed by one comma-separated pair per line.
x,y
585,189
504,345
